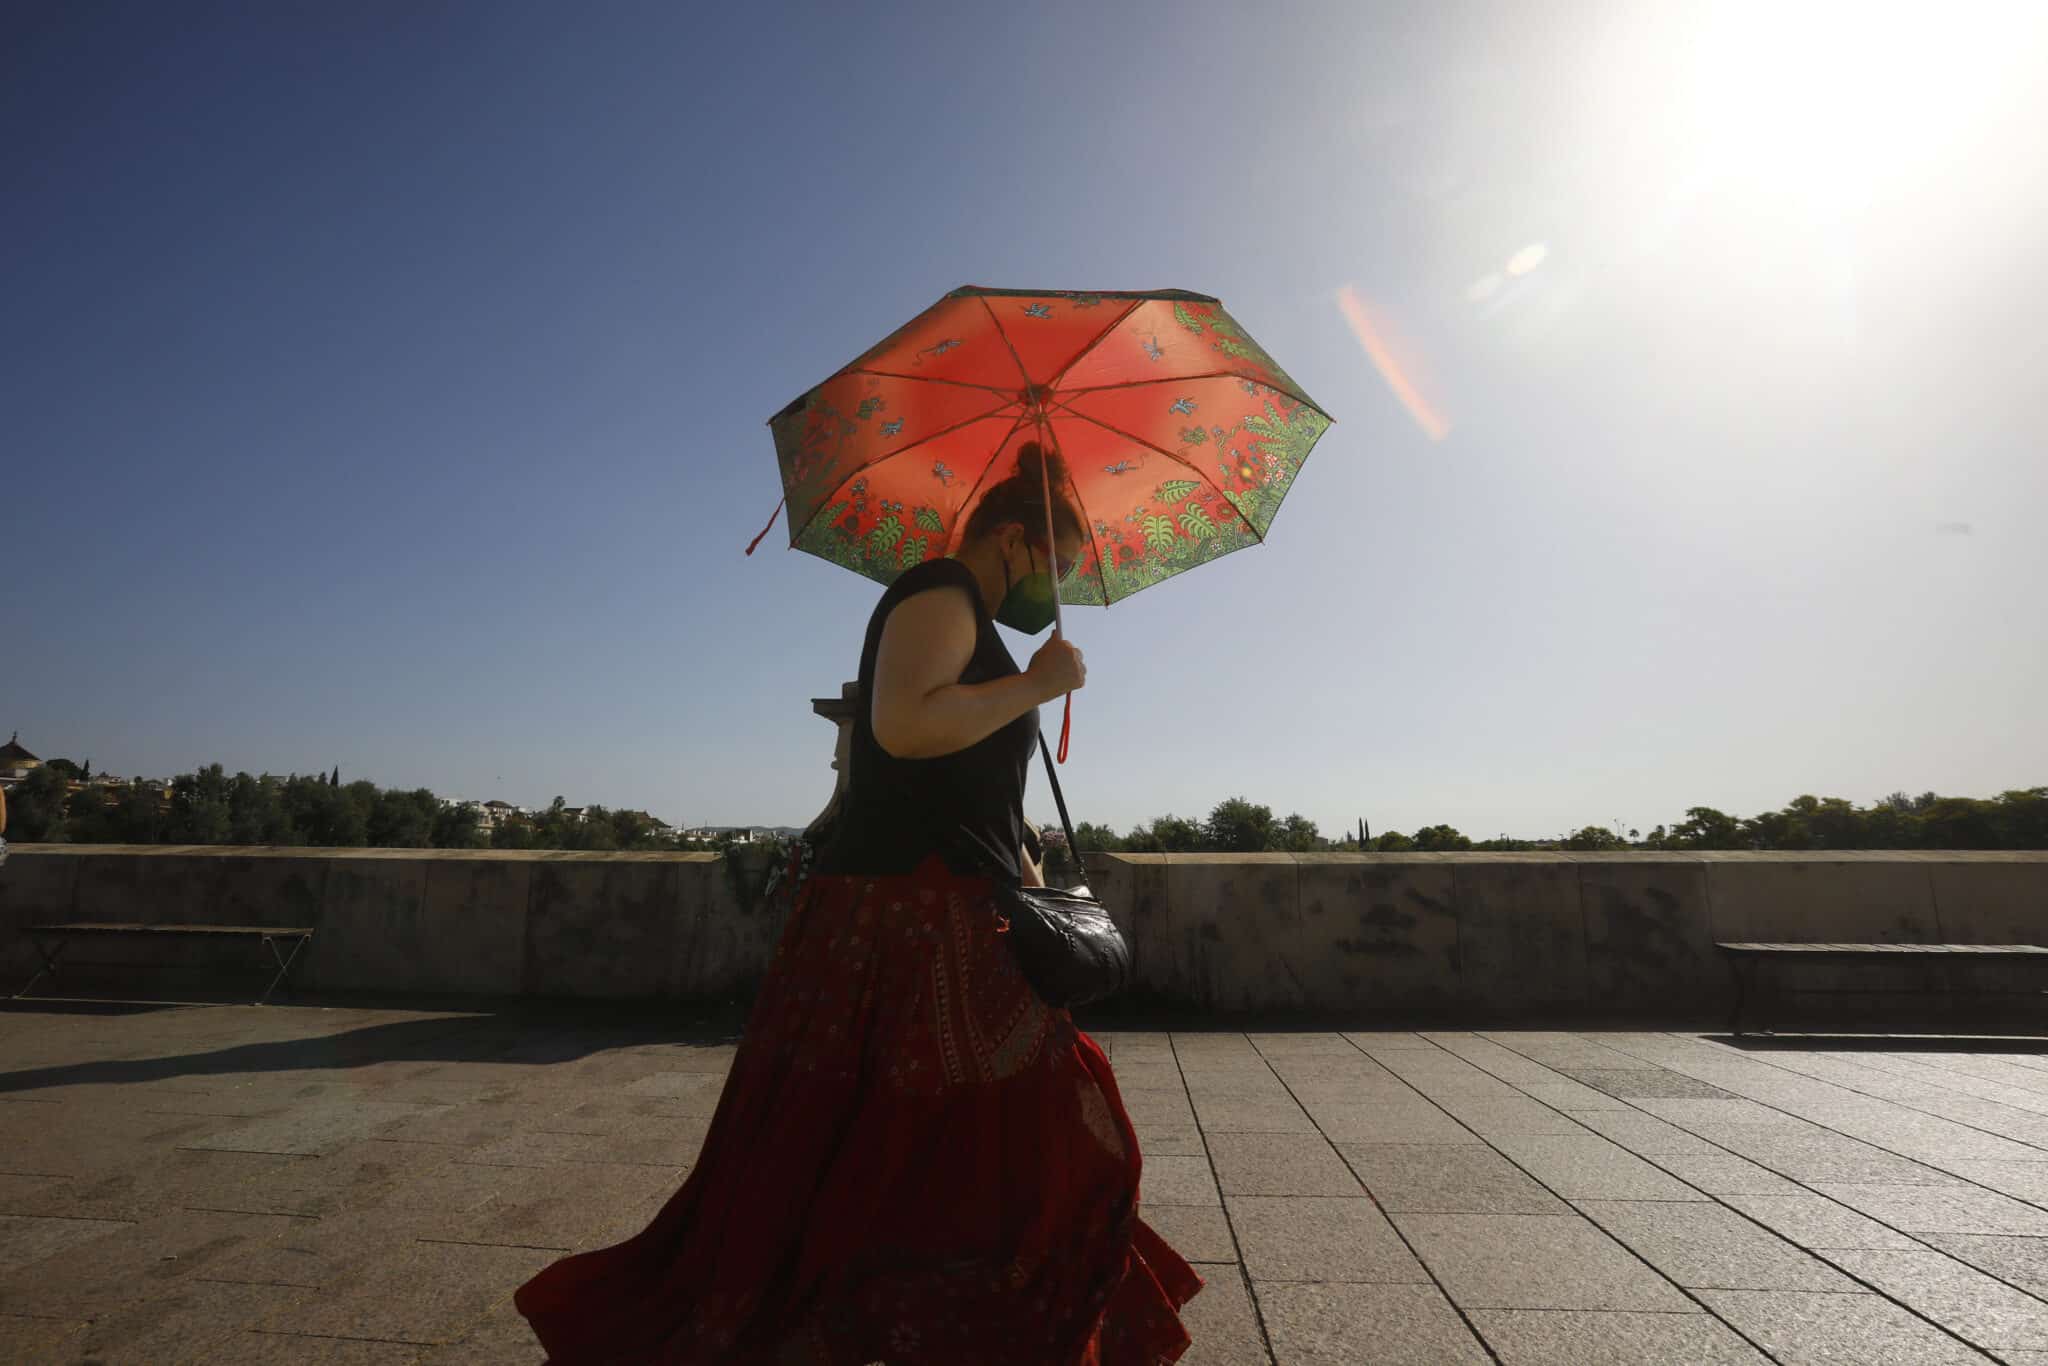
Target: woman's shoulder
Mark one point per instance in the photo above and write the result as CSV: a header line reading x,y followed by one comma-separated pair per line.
x,y
939,573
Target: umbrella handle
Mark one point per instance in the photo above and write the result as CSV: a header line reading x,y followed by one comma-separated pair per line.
x,y
1052,553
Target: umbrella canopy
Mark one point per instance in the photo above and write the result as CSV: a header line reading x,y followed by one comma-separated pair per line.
x,y
1180,434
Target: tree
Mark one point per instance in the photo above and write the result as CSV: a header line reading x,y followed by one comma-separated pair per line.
x,y
1098,837
1393,842
198,811
1297,835
1166,835
1706,828
455,827
35,808
1595,837
63,767
1237,826
1438,839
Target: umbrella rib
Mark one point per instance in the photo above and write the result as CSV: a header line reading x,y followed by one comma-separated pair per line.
x,y
1188,379
927,379
1093,342
960,528
1177,459
796,533
1009,345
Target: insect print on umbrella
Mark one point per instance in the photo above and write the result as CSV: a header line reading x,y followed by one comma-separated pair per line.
x,y
1180,435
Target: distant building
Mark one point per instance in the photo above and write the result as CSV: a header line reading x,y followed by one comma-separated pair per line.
x,y
16,762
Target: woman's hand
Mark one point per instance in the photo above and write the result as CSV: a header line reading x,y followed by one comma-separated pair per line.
x,y
1057,668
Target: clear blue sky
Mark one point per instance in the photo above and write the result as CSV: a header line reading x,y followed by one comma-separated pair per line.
x,y
385,386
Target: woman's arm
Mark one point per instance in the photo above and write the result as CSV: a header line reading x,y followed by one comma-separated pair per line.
x,y
921,710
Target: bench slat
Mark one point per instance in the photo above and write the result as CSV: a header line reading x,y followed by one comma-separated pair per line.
x,y
1882,950
107,927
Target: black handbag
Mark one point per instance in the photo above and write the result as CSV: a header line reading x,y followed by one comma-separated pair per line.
x,y
1070,951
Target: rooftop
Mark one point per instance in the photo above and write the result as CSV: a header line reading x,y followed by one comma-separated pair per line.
x,y
222,1184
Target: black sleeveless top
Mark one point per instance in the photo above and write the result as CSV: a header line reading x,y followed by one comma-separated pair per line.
x,y
967,806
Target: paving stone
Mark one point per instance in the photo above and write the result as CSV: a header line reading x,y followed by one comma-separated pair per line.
x,y
1199,1233
1280,1164
1398,1040
1534,1261
1177,1181
26,1339
1414,1122
1169,1140
1698,1245
698,1089
1701,1115
39,1196
1236,1083
421,1293
1588,1167
1316,1238
538,1207
318,1128
1958,1297
318,1252
1816,1222
1564,1094
1511,1116
2022,1261
1644,1083
1940,1209
1568,1337
183,1324
101,1275
1272,1116
1222,1322
1342,1325
1306,1045
539,1148
1805,1329
1159,1107
1726,1174
288,1349
1148,1076
1644,1135
500,1337
27,1239
2021,1180
466,1126
1447,1179
1814,1155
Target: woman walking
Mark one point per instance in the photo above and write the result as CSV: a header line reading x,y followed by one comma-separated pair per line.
x,y
915,1160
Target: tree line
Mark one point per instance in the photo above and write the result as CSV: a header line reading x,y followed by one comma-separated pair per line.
x,y
319,810
315,810
2016,819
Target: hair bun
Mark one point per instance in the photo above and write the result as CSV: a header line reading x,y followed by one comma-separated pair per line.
x,y
1040,465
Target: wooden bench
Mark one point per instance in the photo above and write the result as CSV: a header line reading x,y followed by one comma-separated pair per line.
x,y
51,939
1747,959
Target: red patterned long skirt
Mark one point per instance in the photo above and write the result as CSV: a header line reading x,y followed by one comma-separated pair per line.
x,y
915,1161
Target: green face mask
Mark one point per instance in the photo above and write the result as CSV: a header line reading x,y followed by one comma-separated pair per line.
x,y
1028,604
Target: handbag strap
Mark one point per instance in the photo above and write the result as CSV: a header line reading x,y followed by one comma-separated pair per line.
x,y
1060,798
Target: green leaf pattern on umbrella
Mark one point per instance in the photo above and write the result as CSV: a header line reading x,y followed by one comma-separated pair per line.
x,y
1181,435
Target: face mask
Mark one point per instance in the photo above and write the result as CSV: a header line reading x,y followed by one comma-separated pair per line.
x,y
1027,604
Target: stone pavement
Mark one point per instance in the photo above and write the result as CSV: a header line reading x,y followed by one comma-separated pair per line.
x,y
222,1184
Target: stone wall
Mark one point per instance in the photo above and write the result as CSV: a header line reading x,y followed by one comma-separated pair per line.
x,y
1461,935
483,923
1518,934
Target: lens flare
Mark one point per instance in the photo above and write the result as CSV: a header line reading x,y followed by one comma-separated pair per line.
x,y
1434,425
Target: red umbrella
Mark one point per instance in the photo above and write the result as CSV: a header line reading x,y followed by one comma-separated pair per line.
x,y
1180,434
